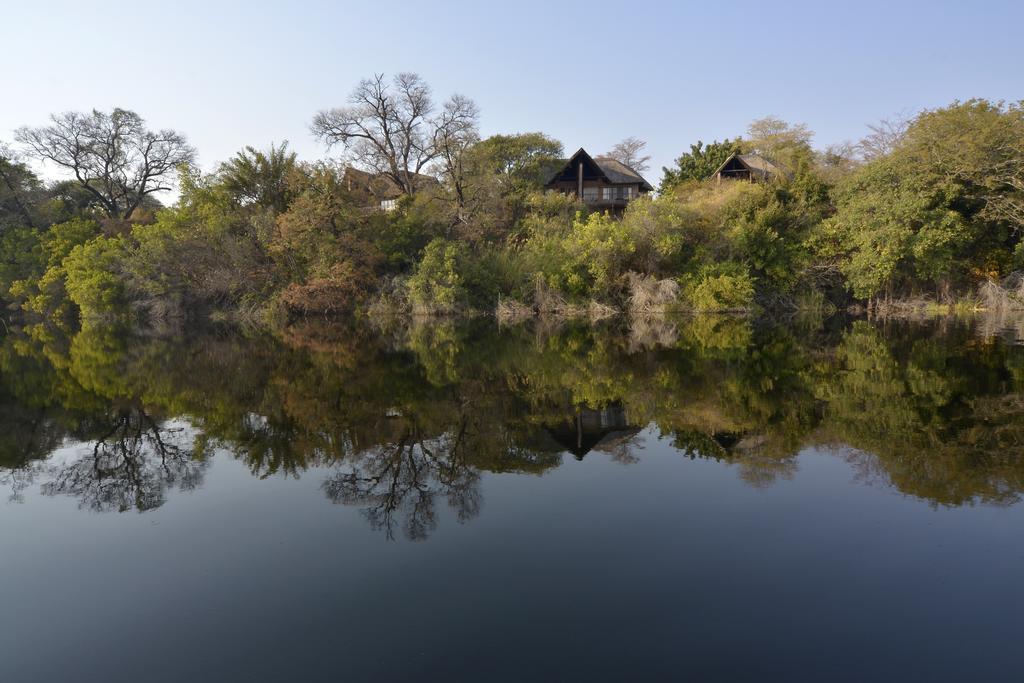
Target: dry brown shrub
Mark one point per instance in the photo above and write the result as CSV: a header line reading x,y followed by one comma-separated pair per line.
x,y
650,332
597,311
344,287
651,296
512,312
1008,295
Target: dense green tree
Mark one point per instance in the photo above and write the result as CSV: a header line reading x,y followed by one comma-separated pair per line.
x,y
94,277
524,158
20,192
42,290
978,145
504,170
932,214
699,163
260,177
437,284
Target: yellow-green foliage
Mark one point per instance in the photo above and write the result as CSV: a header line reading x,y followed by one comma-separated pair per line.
x,y
60,239
45,292
597,250
724,242
45,295
723,287
93,279
436,286
935,212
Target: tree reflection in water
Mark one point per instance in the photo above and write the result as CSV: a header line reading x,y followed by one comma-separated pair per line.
x,y
405,422
398,484
130,467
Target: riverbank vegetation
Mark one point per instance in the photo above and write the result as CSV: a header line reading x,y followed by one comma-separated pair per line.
x,y
929,210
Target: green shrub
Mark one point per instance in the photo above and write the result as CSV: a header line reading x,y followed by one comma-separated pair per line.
x,y
722,287
60,239
93,279
598,249
496,273
45,295
437,284
402,234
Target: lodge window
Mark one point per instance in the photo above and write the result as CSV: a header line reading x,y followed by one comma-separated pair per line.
x,y
612,193
590,194
388,204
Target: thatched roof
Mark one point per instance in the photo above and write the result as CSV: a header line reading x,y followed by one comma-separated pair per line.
x,y
381,186
614,172
618,172
758,166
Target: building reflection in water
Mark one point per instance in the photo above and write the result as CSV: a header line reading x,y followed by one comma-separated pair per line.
x,y
587,429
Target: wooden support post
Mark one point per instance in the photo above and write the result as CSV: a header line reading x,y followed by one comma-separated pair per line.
x,y
579,180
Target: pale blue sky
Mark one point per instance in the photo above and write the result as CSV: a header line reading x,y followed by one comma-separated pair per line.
x,y
229,74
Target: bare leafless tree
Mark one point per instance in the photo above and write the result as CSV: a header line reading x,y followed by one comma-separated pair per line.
x,y
837,160
456,132
112,156
630,153
884,136
387,128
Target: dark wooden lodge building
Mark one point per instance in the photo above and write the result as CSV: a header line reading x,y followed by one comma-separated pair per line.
x,y
601,183
749,167
587,429
378,192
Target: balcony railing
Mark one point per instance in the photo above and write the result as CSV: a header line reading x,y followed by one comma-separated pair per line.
x,y
610,199
601,201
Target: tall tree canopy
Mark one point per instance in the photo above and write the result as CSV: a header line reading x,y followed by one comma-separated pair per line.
x,y
523,157
979,146
504,169
389,128
943,208
259,177
456,134
113,156
775,139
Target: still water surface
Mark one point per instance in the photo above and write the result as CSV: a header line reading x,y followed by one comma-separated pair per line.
x,y
715,499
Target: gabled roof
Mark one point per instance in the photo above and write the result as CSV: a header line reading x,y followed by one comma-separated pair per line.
x,y
567,167
612,171
756,164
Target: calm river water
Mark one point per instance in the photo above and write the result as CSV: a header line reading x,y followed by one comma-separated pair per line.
x,y
710,500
